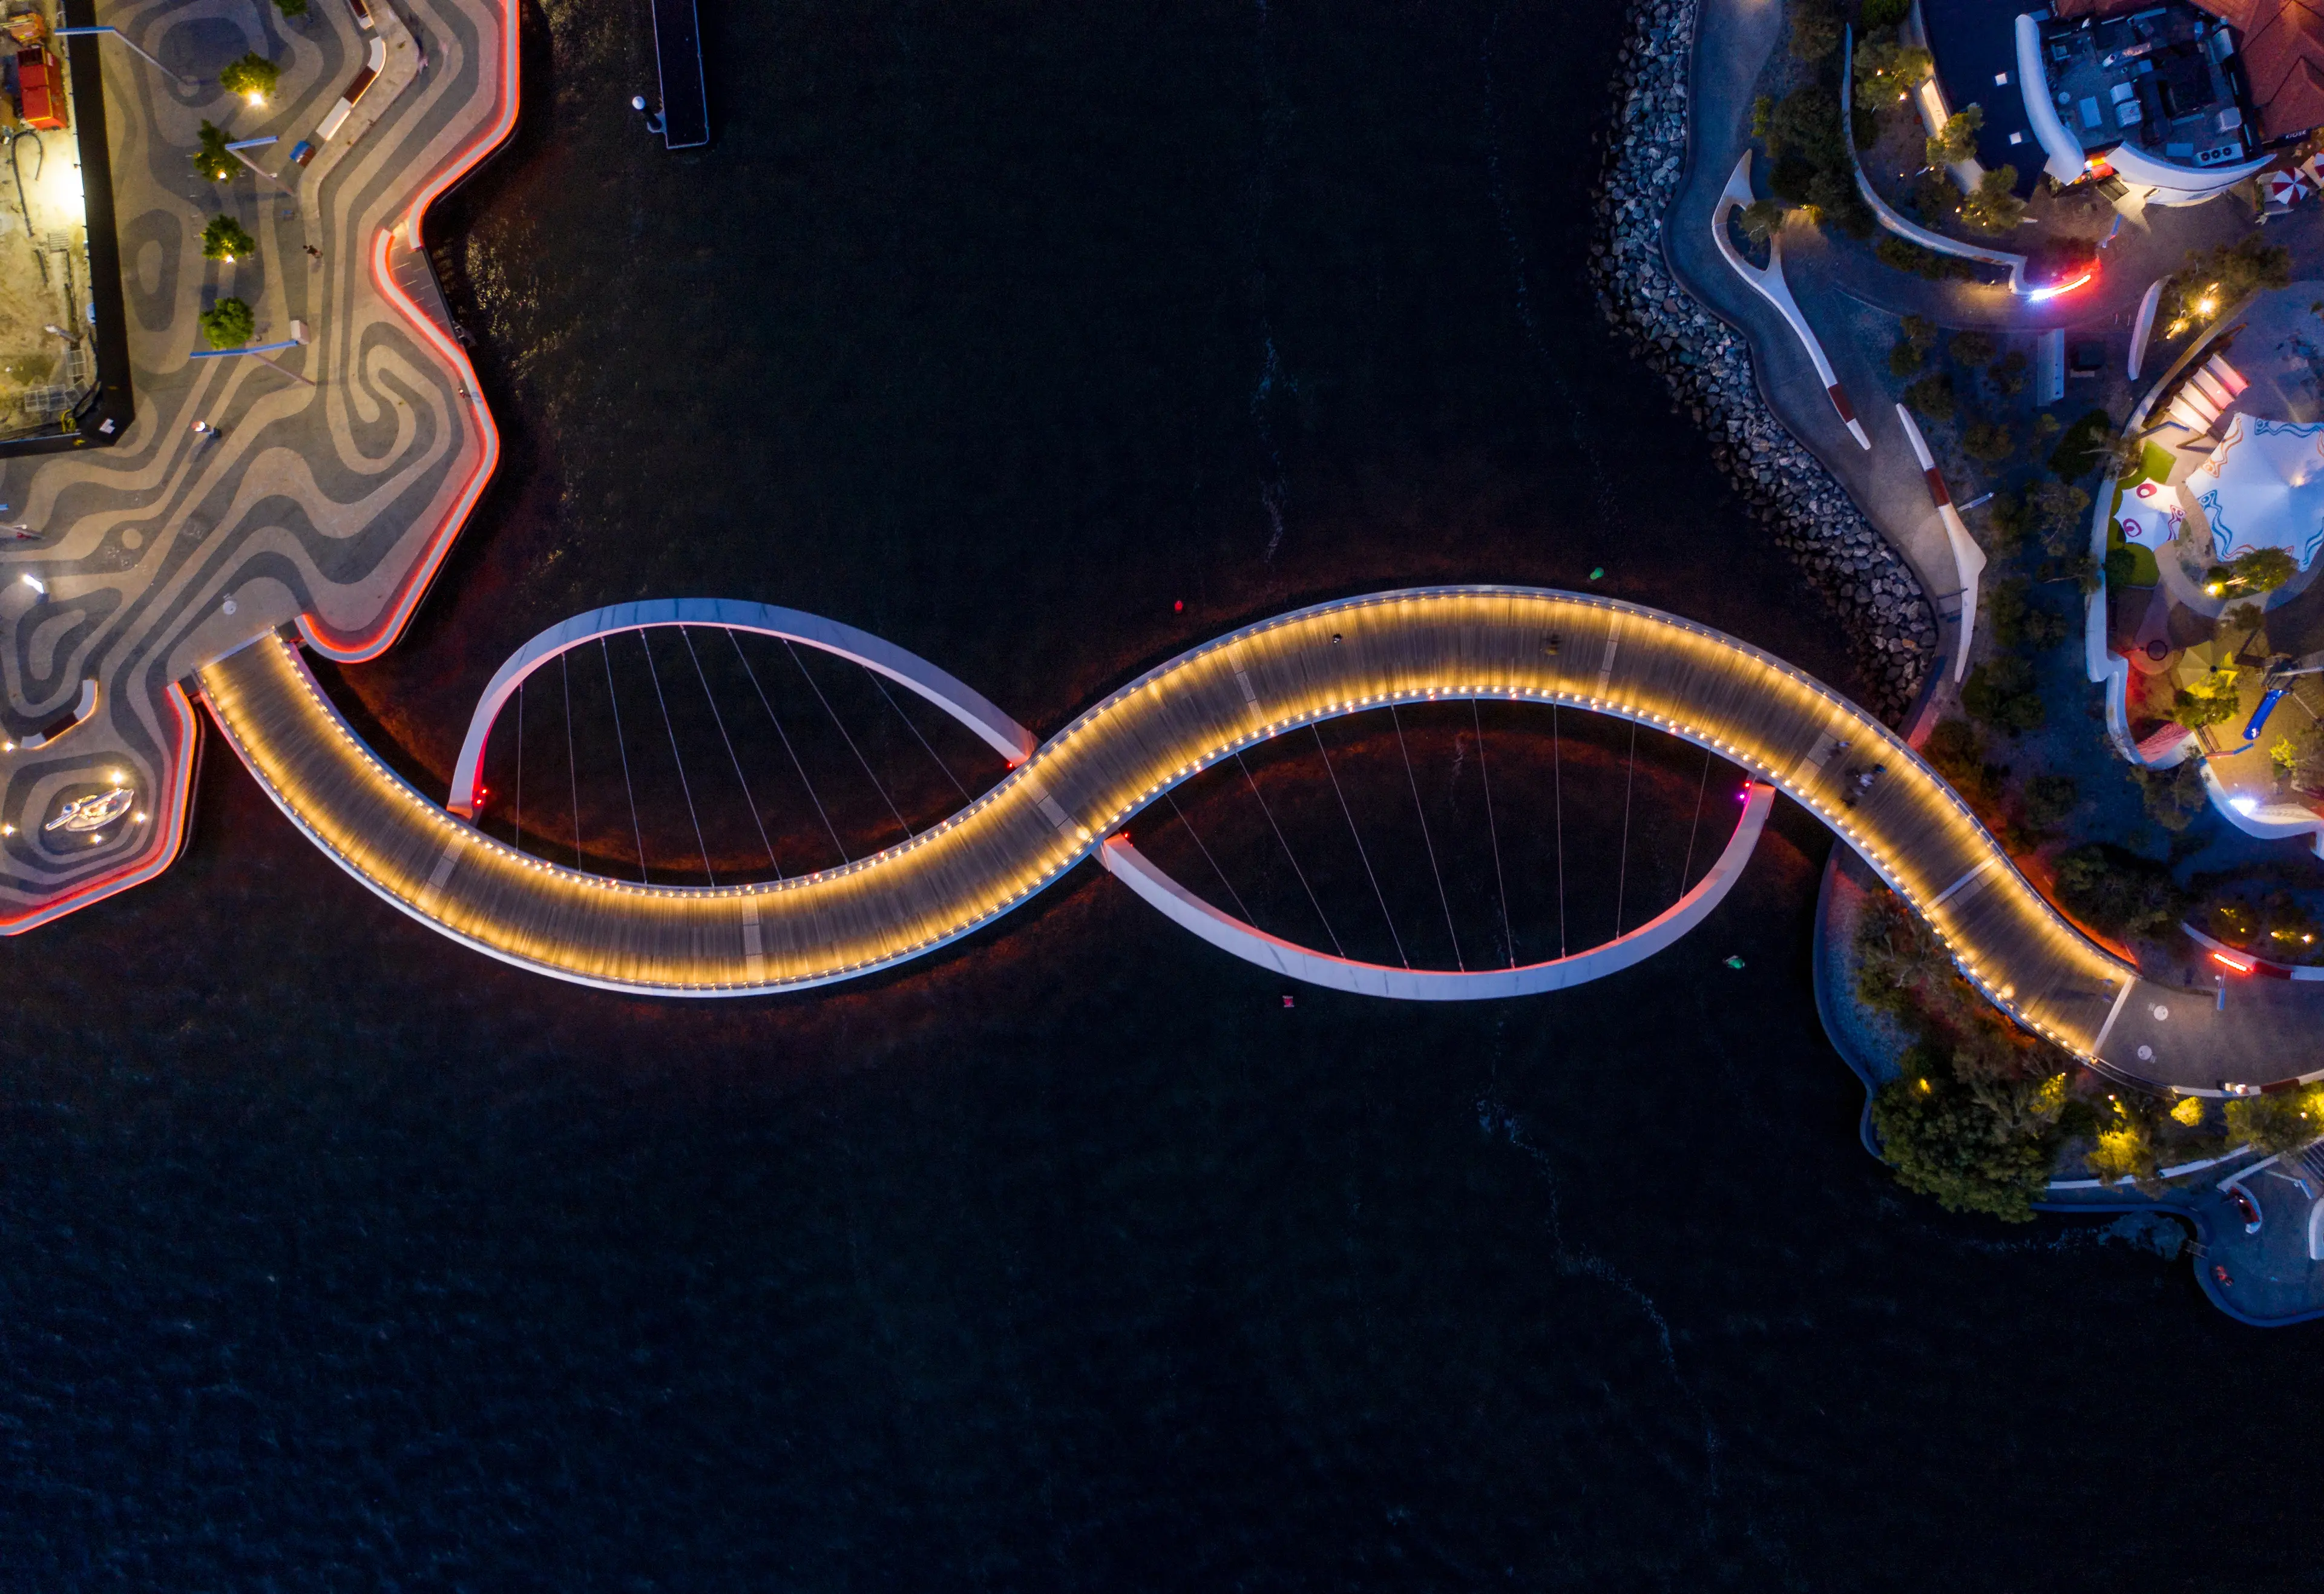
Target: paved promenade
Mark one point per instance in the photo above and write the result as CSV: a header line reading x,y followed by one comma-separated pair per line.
x,y
329,506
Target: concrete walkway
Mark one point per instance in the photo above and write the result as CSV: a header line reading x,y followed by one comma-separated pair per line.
x,y
328,506
1734,41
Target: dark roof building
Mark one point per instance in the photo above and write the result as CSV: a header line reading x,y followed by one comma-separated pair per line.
x,y
2177,100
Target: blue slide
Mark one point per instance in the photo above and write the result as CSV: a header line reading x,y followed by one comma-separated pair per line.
x,y
2260,714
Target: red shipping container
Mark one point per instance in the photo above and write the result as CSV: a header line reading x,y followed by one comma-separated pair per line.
x,y
42,88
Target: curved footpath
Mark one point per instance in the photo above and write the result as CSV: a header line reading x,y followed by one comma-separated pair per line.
x,y
1087,782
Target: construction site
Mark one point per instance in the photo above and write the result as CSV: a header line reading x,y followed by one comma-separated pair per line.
x,y
47,361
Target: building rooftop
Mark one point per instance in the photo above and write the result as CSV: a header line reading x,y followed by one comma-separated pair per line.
x,y
2158,78
2283,60
1974,45
2280,54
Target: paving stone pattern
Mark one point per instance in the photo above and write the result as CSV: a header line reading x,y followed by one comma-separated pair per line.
x,y
329,506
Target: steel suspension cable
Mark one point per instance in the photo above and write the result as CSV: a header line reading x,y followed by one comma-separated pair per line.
x,y
917,737
1359,840
1557,789
1509,938
1702,785
572,766
843,737
623,744
719,720
1222,874
784,737
517,820
1622,876
683,785
1295,870
1413,782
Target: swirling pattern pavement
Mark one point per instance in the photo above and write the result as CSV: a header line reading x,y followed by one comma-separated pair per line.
x,y
327,506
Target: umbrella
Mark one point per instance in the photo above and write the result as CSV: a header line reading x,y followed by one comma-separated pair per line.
x,y
2264,487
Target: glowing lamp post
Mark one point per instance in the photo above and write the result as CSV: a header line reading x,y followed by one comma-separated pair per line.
x,y
299,337
116,32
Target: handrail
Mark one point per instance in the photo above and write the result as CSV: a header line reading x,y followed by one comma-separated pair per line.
x,y
1089,780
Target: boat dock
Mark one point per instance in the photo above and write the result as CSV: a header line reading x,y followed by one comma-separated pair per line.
x,y
678,56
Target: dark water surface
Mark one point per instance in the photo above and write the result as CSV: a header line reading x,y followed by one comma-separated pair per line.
x,y
334,1256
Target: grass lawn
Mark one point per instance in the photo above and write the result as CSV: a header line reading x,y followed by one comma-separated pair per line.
x,y
2143,570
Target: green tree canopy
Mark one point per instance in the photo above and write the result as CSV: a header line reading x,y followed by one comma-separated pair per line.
x,y
1887,71
2058,511
1806,122
229,324
1957,139
2262,569
2214,281
1932,395
1995,207
2014,620
291,8
2175,796
1815,29
1989,443
2000,692
1981,1147
2209,701
1762,218
252,77
212,159
1971,348
224,239
2049,799
2117,892
2286,1121
2125,1151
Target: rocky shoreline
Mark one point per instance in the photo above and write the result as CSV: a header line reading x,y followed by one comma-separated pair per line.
x,y
1708,366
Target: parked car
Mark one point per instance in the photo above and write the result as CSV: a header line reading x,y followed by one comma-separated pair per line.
x,y
2247,1205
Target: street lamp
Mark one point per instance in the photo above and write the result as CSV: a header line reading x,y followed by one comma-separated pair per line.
x,y
299,337
235,149
116,32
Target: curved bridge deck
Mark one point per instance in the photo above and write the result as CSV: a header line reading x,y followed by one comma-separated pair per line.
x,y
1090,779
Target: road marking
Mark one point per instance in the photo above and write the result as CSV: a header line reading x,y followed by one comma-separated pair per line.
x,y
754,951
1048,804
1974,877
1818,754
452,850
2098,1047
1613,646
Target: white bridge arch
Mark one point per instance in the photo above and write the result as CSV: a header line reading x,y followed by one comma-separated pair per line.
x,y
1011,740
1133,868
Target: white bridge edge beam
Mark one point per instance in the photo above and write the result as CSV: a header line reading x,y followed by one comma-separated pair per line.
x,y
971,708
1229,934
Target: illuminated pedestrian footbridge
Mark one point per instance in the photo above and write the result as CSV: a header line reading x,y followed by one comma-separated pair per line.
x,y
1502,649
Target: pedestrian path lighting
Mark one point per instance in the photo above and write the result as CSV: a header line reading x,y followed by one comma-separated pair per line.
x,y
299,337
116,32
251,78
240,145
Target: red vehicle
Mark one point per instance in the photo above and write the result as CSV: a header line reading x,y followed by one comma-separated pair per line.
x,y
2219,1271
2246,1207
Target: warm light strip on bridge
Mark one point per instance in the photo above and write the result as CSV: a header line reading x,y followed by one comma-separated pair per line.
x,y
1121,754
